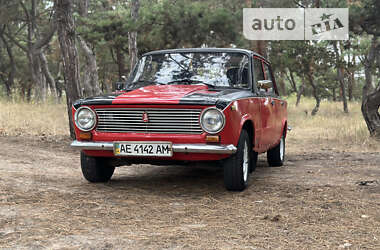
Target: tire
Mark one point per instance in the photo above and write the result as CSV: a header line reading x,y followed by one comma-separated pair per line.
x,y
236,167
96,169
276,155
253,164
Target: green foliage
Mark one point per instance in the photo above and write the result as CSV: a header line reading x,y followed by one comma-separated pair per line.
x,y
8,10
164,24
364,17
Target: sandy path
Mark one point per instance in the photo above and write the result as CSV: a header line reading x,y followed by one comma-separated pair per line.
x,y
313,202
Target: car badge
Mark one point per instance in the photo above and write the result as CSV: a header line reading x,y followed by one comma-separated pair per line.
x,y
145,117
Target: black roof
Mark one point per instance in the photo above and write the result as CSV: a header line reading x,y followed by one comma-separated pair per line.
x,y
205,50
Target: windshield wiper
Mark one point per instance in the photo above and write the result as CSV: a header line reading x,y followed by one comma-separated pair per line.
x,y
189,81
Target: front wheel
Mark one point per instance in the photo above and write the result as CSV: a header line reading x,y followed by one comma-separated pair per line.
x,y
96,169
276,155
237,167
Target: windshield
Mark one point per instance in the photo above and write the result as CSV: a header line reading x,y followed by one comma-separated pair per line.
x,y
210,68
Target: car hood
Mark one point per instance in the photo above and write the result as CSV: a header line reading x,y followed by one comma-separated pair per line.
x,y
158,94
169,94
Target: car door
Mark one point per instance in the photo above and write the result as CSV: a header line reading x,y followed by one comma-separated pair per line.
x,y
265,105
276,106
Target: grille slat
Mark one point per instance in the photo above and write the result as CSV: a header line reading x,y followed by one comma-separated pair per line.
x,y
116,118
155,124
182,121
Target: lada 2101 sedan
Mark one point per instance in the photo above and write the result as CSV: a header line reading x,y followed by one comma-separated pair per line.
x,y
186,105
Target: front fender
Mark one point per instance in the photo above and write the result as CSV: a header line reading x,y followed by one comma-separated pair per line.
x,y
235,120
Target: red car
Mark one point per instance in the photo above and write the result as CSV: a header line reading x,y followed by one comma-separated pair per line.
x,y
186,105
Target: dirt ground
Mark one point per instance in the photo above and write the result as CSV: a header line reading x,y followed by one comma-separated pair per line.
x,y
323,198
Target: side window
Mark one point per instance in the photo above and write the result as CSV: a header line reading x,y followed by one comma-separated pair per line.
x,y
243,73
258,71
268,76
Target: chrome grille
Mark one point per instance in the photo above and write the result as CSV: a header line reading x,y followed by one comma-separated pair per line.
x,y
181,121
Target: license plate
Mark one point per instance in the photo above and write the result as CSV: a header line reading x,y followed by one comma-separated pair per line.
x,y
162,149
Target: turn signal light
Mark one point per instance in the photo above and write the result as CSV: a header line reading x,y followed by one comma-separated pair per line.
x,y
212,138
85,135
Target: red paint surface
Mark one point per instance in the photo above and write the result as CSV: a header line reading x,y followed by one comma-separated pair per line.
x,y
158,94
266,119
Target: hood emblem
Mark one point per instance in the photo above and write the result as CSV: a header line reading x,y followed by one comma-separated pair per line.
x,y
145,117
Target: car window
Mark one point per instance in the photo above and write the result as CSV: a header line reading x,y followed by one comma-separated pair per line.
x,y
267,72
216,69
258,70
268,76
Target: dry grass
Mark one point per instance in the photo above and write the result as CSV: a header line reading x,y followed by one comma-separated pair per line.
x,y
314,202
24,119
331,126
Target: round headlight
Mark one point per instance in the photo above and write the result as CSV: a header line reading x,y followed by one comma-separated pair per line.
x,y
212,120
85,119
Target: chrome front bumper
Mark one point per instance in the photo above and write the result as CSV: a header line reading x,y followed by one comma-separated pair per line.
x,y
177,148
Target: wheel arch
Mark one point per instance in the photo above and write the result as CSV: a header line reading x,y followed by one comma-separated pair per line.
x,y
285,128
249,126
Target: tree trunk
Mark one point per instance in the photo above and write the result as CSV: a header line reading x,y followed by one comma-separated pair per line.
x,y
371,96
340,75
342,89
282,84
59,82
48,76
261,48
291,80
334,94
90,75
29,93
351,80
370,111
90,78
66,37
258,46
132,36
33,48
315,94
33,54
300,92
120,60
10,81
36,73
351,86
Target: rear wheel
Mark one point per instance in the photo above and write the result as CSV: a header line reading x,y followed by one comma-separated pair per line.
x,y
96,169
237,167
276,155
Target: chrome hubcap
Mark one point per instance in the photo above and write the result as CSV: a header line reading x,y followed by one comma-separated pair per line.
x,y
245,162
282,148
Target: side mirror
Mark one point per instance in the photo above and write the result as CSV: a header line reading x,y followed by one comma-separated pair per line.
x,y
264,84
117,86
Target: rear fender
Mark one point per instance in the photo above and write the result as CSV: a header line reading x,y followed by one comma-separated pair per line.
x,y
284,128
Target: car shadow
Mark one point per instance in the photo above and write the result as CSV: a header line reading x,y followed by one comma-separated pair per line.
x,y
179,179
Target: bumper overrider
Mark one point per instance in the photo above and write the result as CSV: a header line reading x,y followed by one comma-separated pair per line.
x,y
177,148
